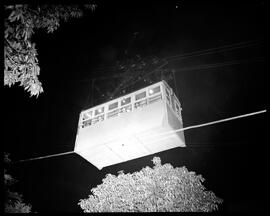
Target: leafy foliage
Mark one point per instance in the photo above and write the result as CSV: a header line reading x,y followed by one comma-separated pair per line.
x,y
20,54
158,189
13,200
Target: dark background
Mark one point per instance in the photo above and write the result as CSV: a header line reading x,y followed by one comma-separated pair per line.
x,y
231,156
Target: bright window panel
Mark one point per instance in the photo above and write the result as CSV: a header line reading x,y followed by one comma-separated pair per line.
x,y
154,90
87,115
140,103
99,111
113,105
140,96
167,92
125,101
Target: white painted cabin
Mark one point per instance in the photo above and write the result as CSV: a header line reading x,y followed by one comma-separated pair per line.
x,y
130,126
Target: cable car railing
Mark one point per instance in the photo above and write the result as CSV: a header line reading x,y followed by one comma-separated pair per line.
x,y
131,103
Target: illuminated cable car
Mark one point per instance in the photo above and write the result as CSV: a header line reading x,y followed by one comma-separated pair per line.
x,y
129,127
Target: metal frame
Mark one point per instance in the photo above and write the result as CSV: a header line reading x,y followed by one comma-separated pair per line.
x,y
165,93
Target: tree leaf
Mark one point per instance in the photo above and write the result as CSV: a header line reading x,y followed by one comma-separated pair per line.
x,y
161,188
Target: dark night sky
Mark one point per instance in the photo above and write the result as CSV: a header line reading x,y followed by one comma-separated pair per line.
x,y
230,156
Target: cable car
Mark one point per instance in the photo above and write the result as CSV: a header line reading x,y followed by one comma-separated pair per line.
x,y
130,126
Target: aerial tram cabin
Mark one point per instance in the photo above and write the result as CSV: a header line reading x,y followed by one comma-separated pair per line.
x,y
130,126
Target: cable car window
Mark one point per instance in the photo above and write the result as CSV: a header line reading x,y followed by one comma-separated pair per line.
x,y
87,115
126,109
140,96
86,123
113,105
125,101
173,100
98,119
154,98
154,90
99,110
177,107
141,103
167,92
112,113
177,101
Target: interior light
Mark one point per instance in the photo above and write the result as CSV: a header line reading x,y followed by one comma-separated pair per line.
x,y
151,91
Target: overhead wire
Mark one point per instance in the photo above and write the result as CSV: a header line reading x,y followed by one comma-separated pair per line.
x,y
183,56
206,66
215,50
224,48
208,123
200,67
221,64
162,134
47,156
